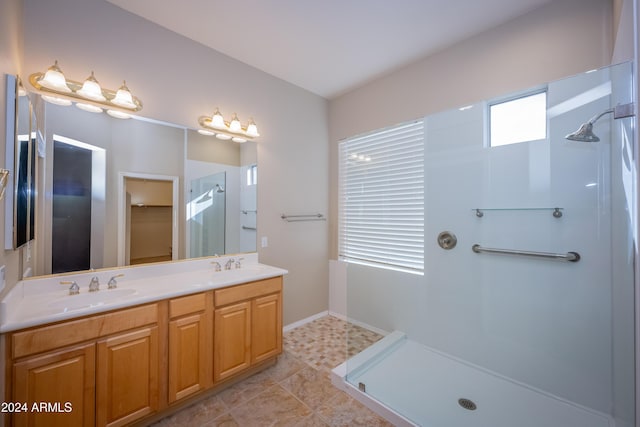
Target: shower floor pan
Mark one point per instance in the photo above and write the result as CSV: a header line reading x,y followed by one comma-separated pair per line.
x,y
422,387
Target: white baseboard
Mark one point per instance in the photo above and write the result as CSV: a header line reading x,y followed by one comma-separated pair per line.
x,y
299,323
322,314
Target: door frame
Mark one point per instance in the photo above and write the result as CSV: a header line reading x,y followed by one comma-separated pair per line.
x,y
122,211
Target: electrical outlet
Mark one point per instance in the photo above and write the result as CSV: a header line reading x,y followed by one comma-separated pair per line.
x,y
264,242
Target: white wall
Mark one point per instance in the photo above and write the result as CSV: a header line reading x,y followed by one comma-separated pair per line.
x,y
178,81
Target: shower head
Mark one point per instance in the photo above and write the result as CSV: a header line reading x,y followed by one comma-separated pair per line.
x,y
219,189
585,132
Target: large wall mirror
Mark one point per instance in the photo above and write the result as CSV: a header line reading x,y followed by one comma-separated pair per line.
x,y
122,192
20,153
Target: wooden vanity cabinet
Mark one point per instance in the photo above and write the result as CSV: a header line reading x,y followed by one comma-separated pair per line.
x,y
127,377
232,340
65,377
266,327
128,366
100,370
247,325
190,343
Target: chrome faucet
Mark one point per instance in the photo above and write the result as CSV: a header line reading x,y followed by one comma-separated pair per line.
x,y
238,263
74,289
94,285
228,264
113,283
217,265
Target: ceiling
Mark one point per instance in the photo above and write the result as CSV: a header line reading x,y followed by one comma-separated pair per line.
x,y
328,47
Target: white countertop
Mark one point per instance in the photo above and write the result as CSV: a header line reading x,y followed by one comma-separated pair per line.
x,y
38,301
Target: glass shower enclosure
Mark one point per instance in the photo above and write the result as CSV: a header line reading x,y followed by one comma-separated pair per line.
x,y
492,334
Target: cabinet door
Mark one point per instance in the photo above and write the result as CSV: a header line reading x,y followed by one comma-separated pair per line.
x,y
127,377
266,327
62,382
187,356
232,340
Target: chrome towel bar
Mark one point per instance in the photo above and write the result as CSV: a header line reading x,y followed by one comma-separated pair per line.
x,y
569,256
297,218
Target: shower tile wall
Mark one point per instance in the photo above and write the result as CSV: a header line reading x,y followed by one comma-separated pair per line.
x,y
547,324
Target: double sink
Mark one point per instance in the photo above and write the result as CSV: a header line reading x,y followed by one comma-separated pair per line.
x,y
38,301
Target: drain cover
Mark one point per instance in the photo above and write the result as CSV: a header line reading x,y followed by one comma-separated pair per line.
x,y
467,404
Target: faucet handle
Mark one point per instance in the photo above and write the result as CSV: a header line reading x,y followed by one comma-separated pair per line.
x,y
217,265
113,283
238,262
94,285
74,289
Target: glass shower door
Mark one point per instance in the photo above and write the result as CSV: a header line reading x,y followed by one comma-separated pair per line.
x,y
558,335
206,215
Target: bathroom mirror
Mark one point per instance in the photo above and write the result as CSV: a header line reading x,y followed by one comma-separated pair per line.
x,y
164,174
21,164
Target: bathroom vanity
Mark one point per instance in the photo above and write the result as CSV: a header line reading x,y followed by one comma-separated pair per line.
x,y
164,337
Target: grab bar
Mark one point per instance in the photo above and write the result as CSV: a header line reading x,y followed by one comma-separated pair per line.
x,y
296,218
244,227
569,256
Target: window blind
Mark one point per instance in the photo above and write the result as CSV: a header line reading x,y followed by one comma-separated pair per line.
x,y
381,217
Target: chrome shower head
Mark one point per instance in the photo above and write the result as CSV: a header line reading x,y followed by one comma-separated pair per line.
x,y
584,134
219,189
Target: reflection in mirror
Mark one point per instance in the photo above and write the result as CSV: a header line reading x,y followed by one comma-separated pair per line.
x,y
205,215
221,203
19,224
142,147
150,223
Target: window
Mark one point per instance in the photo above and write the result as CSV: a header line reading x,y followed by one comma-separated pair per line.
x,y
252,175
382,198
518,120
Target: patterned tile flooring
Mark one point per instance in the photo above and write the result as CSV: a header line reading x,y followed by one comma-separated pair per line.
x,y
297,391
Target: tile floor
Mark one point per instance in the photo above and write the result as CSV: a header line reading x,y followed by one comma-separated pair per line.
x,y
297,391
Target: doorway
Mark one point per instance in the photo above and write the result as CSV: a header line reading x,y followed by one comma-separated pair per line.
x,y
77,206
147,219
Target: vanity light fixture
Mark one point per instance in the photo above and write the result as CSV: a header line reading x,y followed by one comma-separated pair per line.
x,y
215,125
88,95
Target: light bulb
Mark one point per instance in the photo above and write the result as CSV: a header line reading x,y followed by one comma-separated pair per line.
x,y
118,114
238,139
91,89
206,132
235,126
89,107
54,79
56,100
124,98
252,129
217,121
223,136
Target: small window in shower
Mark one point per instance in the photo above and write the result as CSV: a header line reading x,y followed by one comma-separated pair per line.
x,y
252,175
518,120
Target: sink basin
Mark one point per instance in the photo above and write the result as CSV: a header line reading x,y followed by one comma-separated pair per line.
x,y
93,299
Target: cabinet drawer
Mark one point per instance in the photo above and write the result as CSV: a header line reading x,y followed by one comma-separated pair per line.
x,y
250,290
186,305
76,331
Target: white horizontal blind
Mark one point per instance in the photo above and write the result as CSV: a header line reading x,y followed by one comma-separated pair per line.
x,y
382,198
